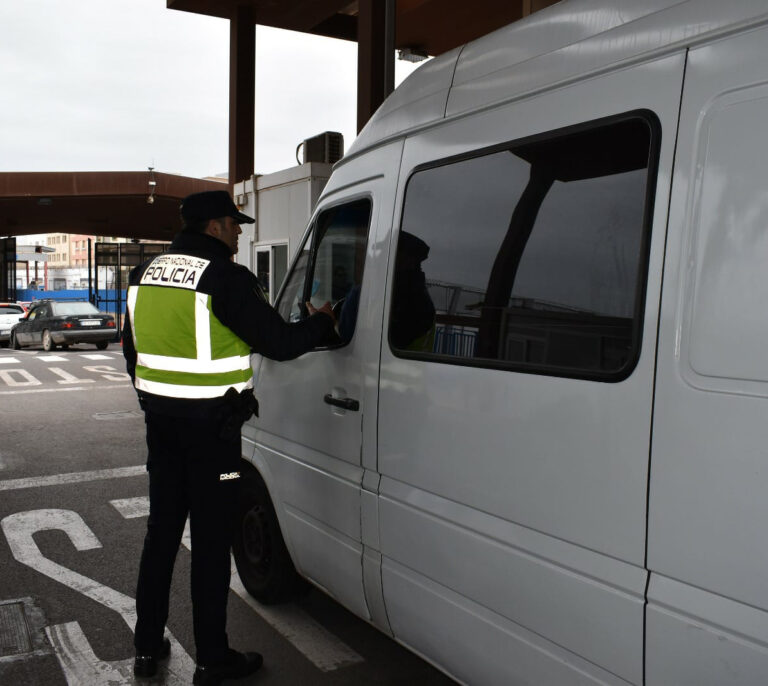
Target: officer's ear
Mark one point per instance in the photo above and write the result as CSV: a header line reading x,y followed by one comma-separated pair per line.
x,y
213,228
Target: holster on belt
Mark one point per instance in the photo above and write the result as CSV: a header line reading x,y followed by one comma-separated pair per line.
x,y
238,408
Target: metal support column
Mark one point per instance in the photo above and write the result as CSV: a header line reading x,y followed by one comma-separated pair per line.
x,y
242,95
91,298
375,56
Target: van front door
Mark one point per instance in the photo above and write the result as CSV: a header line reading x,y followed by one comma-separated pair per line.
x,y
316,431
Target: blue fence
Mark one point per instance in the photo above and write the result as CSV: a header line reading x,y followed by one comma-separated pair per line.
x,y
105,295
456,343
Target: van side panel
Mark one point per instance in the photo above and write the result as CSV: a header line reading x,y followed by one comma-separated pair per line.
x,y
707,549
518,500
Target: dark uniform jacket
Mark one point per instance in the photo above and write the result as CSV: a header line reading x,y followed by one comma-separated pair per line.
x,y
238,302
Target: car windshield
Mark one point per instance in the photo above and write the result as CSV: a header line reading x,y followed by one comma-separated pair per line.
x,y
11,309
74,308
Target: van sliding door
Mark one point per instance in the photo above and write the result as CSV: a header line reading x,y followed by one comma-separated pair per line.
x,y
707,551
517,381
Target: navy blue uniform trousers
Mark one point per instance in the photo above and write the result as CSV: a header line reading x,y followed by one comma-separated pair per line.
x,y
186,463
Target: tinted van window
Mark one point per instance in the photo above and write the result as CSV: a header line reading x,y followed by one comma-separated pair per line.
x,y
531,257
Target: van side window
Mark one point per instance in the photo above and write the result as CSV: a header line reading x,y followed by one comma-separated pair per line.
x,y
330,266
532,257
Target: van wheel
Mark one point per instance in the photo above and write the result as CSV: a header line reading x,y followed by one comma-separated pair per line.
x,y
15,342
102,345
48,343
262,560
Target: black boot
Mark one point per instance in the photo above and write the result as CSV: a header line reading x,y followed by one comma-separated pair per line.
x,y
235,666
145,666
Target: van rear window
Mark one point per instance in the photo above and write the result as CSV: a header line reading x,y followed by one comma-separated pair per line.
x,y
531,257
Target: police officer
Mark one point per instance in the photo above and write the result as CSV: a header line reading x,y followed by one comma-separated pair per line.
x,y
193,318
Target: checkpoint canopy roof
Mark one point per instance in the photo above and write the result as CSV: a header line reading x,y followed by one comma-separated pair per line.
x,y
429,27
95,203
434,26
115,203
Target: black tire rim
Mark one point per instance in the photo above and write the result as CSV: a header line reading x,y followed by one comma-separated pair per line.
x,y
257,542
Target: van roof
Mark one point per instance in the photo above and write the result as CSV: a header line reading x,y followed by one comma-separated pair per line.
x,y
556,45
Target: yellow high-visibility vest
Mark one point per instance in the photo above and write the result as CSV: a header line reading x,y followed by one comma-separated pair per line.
x,y
183,350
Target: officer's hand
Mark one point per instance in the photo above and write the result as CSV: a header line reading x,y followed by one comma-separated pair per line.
x,y
325,309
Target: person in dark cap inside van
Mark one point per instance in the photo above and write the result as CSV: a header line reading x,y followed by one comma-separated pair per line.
x,y
193,319
412,318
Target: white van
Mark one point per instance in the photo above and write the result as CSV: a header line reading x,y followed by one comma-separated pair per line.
x,y
541,454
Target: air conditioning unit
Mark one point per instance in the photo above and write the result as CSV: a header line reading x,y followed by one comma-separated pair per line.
x,y
328,147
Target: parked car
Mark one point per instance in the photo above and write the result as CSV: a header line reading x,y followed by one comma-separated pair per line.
x,y
52,322
10,314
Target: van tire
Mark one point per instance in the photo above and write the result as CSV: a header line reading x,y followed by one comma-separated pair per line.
x,y
15,345
262,560
102,345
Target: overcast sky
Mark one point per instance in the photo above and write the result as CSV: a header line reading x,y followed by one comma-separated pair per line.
x,y
113,85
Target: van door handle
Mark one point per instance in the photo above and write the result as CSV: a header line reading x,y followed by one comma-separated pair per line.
x,y
345,403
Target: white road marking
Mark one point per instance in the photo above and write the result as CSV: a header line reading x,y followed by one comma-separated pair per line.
x,y
131,508
52,358
97,357
61,390
7,375
313,640
9,360
107,372
77,659
81,666
66,377
72,478
317,644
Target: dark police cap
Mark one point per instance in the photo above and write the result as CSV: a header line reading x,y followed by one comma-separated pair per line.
x,y
413,246
211,205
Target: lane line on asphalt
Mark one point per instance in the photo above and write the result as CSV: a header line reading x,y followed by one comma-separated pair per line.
x,y
72,478
318,645
96,357
52,358
325,650
64,390
9,360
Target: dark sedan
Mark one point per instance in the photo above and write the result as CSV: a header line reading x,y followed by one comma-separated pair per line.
x,y
52,322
